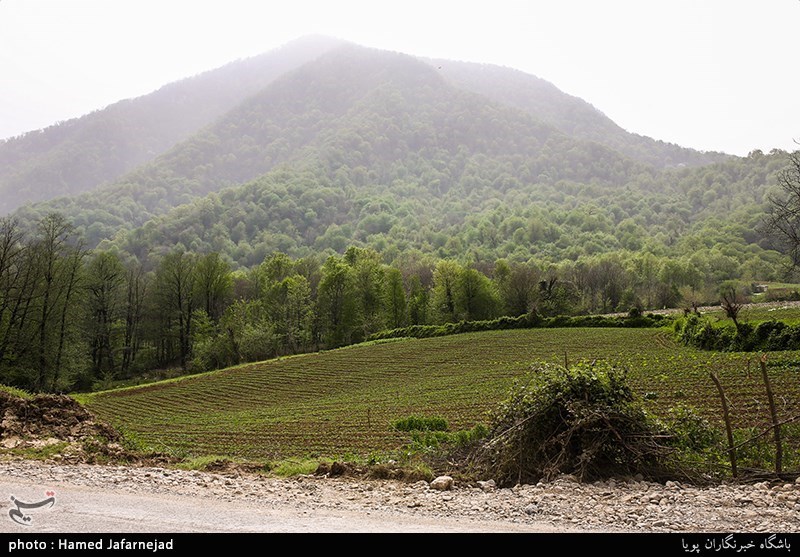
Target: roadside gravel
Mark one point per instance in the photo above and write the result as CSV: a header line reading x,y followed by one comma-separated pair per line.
x,y
359,505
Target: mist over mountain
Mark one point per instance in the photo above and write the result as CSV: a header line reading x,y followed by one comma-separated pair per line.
x,y
334,144
80,154
571,115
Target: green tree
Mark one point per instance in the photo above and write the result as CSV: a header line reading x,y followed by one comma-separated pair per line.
x,y
418,302
136,290
444,294
214,284
783,219
517,286
18,276
336,302
175,292
368,276
475,296
105,278
59,255
291,313
395,299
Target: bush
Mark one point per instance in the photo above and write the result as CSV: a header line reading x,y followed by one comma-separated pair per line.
x,y
527,321
767,336
582,421
420,423
691,431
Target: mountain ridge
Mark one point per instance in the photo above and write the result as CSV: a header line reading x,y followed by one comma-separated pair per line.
x,y
100,148
83,153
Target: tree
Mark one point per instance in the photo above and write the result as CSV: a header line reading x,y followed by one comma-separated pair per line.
x,y
395,299
475,296
213,283
783,220
418,302
732,302
135,295
17,277
368,281
517,286
175,290
105,277
336,301
290,313
443,298
59,256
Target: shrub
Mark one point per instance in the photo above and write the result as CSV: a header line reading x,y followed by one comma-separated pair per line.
x,y
582,420
420,423
691,431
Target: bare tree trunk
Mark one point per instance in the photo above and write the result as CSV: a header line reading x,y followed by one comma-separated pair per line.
x,y
77,258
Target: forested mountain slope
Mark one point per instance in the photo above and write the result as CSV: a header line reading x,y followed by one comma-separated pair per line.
x,y
385,150
80,154
358,191
376,115
571,115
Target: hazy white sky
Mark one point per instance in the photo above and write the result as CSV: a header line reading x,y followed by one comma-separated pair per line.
x,y
709,74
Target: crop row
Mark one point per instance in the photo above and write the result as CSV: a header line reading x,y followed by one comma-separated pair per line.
x,y
343,401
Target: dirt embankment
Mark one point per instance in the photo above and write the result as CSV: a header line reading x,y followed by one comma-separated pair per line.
x,y
59,428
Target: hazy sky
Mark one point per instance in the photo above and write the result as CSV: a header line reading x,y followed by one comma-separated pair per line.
x,y
716,75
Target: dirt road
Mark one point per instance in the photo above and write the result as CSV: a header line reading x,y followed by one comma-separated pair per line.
x,y
97,499
91,498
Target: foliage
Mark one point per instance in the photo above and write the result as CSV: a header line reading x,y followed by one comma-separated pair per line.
x,y
16,392
293,467
522,322
766,336
781,220
581,420
690,430
420,423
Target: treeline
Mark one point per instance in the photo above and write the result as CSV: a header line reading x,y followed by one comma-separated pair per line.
x,y
71,317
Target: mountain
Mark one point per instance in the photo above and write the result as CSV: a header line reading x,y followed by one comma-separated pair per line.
x,y
374,114
79,155
362,189
365,147
569,114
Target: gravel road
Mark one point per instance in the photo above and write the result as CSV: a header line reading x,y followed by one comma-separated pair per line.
x,y
91,498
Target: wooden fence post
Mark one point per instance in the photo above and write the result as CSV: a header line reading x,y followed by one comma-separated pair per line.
x,y
728,429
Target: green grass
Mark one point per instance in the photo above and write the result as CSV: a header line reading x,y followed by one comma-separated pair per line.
x,y
294,467
42,452
16,392
344,402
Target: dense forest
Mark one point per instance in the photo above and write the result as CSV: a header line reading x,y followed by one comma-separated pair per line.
x,y
311,197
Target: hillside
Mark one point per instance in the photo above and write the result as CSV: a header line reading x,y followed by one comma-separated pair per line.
x,y
360,191
81,154
383,116
356,116
343,402
571,115
567,201
371,148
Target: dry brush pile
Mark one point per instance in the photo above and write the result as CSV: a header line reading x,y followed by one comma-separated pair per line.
x,y
581,420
